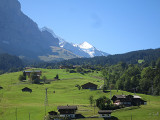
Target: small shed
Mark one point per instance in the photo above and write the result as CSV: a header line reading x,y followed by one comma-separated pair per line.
x,y
89,85
26,89
105,113
67,111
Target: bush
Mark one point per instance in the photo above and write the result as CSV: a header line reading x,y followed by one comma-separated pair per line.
x,y
78,86
72,71
57,77
21,78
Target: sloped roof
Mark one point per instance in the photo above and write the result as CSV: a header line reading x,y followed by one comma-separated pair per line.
x,y
26,88
33,71
105,111
136,96
67,107
124,96
89,84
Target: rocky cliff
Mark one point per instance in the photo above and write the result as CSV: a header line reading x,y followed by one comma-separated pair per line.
x,y
19,35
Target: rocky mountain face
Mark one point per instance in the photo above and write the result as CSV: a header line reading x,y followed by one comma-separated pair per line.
x,y
20,36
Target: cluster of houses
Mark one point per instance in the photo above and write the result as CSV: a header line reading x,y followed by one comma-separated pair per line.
x,y
70,112
128,100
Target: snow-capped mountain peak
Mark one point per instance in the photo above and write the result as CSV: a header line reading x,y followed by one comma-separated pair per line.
x,y
84,49
85,45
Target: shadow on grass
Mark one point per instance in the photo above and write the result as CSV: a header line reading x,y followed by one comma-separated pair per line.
x,y
111,118
106,91
78,116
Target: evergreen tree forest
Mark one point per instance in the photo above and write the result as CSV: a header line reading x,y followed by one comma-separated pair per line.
x,y
137,78
9,63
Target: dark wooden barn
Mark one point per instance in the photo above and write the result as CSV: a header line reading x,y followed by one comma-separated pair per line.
x,y
89,85
26,89
67,111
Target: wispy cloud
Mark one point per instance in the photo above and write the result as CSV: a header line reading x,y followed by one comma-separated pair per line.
x,y
96,21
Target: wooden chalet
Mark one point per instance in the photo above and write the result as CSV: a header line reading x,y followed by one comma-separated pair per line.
x,y
89,85
38,73
128,100
26,89
105,113
67,111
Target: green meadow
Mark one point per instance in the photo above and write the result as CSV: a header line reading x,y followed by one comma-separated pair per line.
x,y
18,105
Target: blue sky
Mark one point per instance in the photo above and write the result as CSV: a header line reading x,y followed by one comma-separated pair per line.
x,y
113,26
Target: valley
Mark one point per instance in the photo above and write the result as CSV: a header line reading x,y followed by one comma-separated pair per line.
x,y
45,77
15,103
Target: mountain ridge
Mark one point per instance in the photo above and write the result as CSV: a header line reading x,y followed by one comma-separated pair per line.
x,y
83,49
20,35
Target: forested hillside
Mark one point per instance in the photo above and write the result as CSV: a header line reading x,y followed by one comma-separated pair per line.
x,y
9,63
144,57
133,78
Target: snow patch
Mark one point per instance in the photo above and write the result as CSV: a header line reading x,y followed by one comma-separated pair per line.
x,y
85,45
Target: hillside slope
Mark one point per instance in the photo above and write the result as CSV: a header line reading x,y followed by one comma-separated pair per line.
x,y
25,104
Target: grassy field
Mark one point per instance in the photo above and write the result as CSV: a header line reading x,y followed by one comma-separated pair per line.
x,y
15,102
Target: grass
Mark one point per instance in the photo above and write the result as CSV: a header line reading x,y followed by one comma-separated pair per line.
x,y
12,98
140,61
